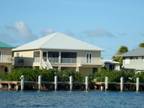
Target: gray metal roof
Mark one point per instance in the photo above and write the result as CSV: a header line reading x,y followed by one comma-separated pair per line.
x,y
57,41
135,52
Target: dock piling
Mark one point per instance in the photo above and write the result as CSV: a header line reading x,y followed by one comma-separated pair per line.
x,y
39,82
86,83
106,83
9,86
137,84
22,82
70,82
121,84
55,83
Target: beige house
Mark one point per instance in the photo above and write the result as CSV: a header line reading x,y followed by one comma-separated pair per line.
x,y
59,51
5,57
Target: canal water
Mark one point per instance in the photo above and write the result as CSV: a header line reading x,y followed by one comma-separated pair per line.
x,y
74,99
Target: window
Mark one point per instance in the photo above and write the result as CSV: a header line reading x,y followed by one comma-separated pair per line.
x,y
44,54
88,57
53,57
36,54
53,54
68,55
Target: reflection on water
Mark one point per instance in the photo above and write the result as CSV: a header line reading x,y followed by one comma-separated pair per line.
x,y
75,99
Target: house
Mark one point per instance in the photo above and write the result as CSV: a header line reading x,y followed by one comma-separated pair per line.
x,y
5,57
134,59
111,65
59,51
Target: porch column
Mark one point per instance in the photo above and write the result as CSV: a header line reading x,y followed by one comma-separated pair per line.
x,y
59,61
77,69
41,58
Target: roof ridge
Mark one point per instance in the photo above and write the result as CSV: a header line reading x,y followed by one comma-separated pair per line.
x,y
50,37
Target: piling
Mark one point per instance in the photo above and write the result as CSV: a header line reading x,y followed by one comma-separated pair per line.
x,y
106,83
9,86
86,83
137,84
39,82
70,82
55,83
22,82
121,84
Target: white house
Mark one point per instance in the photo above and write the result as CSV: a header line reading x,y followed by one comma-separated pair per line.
x,y
111,65
134,59
5,57
59,51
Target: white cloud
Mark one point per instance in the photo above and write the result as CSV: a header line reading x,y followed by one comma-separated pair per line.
x,y
47,31
18,33
99,32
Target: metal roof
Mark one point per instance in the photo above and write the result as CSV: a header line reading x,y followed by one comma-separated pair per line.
x,y
111,61
135,52
57,41
4,45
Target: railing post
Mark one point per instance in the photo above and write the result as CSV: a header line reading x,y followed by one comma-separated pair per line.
x,y
9,86
55,83
70,82
86,83
121,84
16,87
22,82
106,83
137,84
39,82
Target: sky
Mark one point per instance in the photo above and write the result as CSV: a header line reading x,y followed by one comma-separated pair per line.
x,y
107,24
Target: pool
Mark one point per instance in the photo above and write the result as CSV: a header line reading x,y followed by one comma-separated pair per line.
x,y
74,99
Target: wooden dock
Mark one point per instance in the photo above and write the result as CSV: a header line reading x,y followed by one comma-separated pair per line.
x,y
71,85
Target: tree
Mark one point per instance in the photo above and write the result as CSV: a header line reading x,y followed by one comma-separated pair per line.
x,y
122,50
118,57
141,45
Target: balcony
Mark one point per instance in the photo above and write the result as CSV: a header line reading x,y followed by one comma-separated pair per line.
x,y
68,60
53,60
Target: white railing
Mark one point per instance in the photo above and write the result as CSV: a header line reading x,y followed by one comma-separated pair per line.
x,y
46,64
68,60
37,59
53,60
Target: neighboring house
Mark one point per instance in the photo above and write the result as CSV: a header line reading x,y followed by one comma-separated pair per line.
x,y
134,59
5,57
59,51
112,65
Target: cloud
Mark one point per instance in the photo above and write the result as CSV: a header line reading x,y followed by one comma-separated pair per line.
x,y
18,33
47,31
99,32
141,34
122,34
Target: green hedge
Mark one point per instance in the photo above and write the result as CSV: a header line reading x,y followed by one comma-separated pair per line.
x,y
114,76
48,75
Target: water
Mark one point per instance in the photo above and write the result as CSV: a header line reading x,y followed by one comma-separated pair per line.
x,y
74,99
